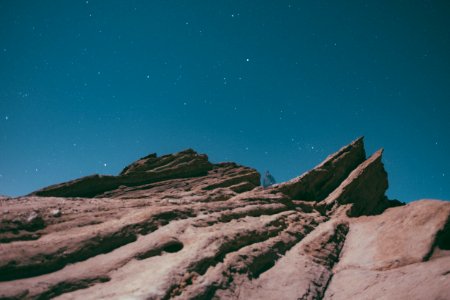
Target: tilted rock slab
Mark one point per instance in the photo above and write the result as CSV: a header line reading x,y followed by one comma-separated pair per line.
x,y
181,227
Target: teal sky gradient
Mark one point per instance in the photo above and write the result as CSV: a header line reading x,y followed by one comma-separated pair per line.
x,y
90,86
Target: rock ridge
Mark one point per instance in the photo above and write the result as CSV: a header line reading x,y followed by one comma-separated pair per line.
x,y
151,168
180,227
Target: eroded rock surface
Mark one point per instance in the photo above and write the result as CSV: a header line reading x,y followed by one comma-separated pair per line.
x,y
178,226
403,253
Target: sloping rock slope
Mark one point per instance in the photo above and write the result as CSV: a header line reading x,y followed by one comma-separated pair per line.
x,y
180,227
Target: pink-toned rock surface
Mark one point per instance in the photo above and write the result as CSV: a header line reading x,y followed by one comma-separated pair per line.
x,y
403,253
178,226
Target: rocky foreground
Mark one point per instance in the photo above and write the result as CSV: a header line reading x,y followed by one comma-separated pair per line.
x,y
180,227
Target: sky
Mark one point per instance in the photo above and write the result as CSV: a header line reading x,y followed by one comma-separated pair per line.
x,y
90,86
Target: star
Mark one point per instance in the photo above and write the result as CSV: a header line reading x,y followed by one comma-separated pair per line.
x,y
247,60
104,164
6,118
148,76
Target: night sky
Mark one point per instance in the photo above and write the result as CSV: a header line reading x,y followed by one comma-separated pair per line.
x,y
90,86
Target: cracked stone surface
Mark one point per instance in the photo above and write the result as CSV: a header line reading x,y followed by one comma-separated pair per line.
x,y
181,227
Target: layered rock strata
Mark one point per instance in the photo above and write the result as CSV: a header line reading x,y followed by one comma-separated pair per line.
x,y
180,227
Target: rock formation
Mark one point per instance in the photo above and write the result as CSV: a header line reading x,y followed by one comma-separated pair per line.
x,y
180,227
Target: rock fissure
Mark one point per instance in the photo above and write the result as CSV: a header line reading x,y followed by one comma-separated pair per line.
x,y
228,245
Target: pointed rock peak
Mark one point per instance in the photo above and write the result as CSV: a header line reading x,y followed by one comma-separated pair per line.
x,y
355,147
358,144
377,155
364,189
359,140
316,184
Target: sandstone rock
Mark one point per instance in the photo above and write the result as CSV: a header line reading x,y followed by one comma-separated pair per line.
x,y
319,182
146,170
180,227
364,189
304,272
403,253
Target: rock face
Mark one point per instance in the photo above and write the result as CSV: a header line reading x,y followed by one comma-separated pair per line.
x,y
178,226
146,170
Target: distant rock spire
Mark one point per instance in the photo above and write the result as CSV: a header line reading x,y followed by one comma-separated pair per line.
x,y
268,180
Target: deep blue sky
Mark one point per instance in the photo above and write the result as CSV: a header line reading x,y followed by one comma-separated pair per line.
x,y
90,86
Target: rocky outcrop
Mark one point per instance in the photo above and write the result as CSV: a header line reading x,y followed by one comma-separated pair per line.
x,y
318,183
364,189
178,226
149,169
